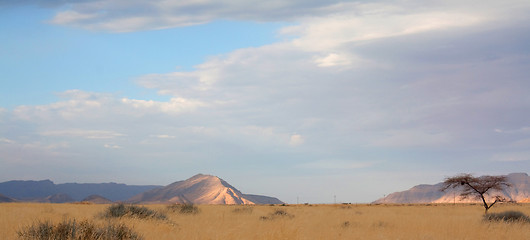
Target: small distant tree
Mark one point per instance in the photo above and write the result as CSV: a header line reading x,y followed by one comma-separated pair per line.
x,y
477,186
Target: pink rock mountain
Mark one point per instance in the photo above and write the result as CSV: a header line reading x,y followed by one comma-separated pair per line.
x,y
201,189
519,191
96,199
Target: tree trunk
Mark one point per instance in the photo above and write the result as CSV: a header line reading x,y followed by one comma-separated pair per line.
x,y
485,204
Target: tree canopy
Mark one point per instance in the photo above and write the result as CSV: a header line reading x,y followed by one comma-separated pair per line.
x,y
477,186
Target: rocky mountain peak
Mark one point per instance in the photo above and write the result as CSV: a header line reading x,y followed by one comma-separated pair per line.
x,y
200,189
519,191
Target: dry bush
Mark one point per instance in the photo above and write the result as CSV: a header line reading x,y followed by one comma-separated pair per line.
x,y
241,210
183,208
73,230
278,213
508,216
133,211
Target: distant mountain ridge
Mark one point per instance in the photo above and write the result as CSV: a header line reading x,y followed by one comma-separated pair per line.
x,y
57,198
39,190
519,191
4,199
201,189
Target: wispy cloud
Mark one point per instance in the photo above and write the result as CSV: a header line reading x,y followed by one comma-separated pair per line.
x,y
524,130
412,138
90,134
337,164
402,17
125,16
296,139
174,106
112,146
6,140
511,157
163,136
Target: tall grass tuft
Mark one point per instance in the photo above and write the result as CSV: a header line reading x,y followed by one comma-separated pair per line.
x,y
73,230
133,211
508,216
278,213
183,208
242,210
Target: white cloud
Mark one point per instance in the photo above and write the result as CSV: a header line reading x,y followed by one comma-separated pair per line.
x,y
112,146
337,164
77,105
296,139
164,136
174,106
90,134
264,136
363,24
511,157
54,148
87,106
72,16
385,17
126,15
522,130
334,59
412,138
398,93
6,140
391,90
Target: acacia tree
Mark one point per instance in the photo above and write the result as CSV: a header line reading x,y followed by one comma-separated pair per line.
x,y
477,186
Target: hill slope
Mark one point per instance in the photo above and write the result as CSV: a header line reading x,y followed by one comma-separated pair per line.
x,y
6,199
96,199
519,192
57,198
39,190
201,189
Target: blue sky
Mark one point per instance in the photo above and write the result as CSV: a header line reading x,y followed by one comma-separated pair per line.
x,y
56,59
306,99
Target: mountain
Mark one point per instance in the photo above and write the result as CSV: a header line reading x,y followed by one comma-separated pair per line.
x,y
39,190
111,191
96,199
26,190
201,189
258,199
57,198
519,191
4,199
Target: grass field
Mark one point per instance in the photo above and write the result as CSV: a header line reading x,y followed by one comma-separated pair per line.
x,y
287,222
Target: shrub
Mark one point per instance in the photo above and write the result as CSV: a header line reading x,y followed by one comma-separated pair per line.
x,y
508,216
122,210
345,224
278,213
247,210
380,224
73,230
184,208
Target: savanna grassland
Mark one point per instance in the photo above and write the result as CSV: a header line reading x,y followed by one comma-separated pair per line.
x,y
284,222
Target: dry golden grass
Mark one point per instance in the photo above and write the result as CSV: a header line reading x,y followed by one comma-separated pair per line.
x,y
300,222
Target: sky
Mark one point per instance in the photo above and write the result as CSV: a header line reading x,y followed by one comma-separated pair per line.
x,y
307,101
